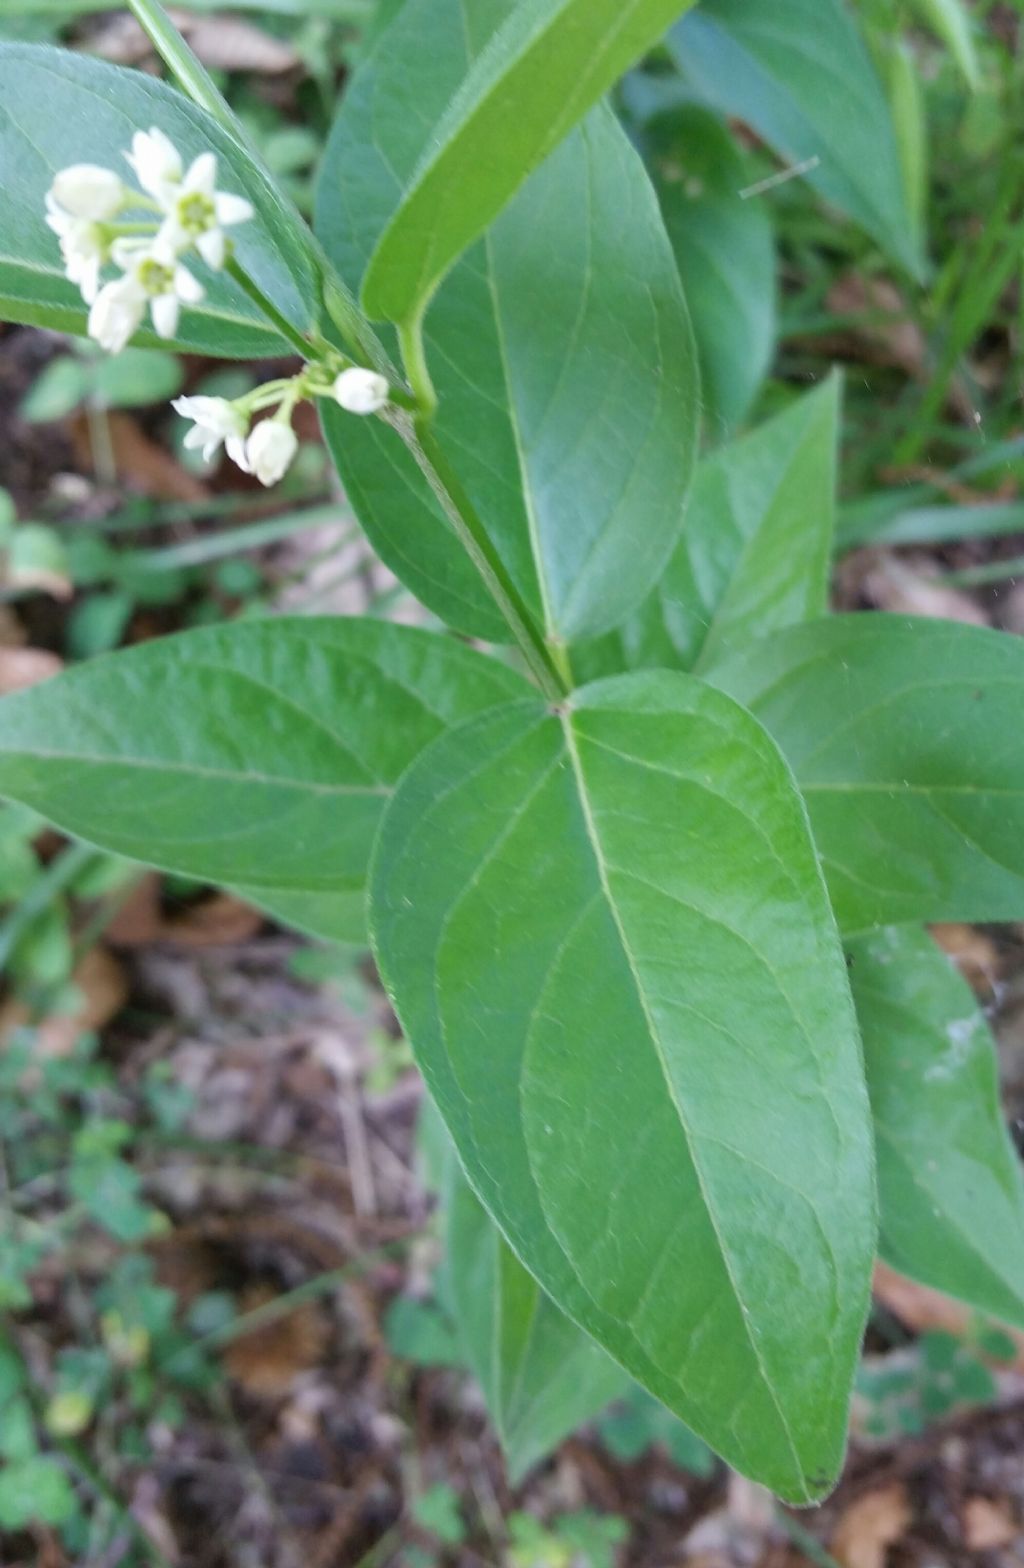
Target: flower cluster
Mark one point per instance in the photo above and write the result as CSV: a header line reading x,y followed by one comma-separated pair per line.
x,y
267,449
85,207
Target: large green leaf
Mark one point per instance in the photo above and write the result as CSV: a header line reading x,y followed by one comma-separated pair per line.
x,y
59,108
544,66
609,942
798,72
950,1188
561,350
754,554
542,1377
906,741
258,754
725,251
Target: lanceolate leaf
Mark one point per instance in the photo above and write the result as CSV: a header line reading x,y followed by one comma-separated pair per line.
x,y
542,1376
754,554
906,741
58,108
258,754
797,71
546,64
560,346
950,1189
608,939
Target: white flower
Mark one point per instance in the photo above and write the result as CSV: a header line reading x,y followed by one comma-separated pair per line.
x,y
195,211
270,450
198,213
87,191
216,420
117,313
154,269
361,391
157,164
83,245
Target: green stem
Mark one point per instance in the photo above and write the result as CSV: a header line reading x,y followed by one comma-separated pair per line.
x,y
192,76
464,519
301,344
414,358
478,545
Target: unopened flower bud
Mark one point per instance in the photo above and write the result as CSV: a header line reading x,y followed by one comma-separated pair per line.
x,y
361,391
85,190
270,449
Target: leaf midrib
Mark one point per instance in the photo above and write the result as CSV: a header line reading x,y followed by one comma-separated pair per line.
x,y
594,838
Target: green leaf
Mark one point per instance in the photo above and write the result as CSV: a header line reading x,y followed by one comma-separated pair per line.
x,y
36,1490
437,1511
950,1188
798,73
58,389
576,442
100,107
419,1332
259,753
906,741
545,65
542,1377
137,378
610,946
754,555
725,251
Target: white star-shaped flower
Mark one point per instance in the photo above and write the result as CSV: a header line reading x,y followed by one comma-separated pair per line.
x,y
215,421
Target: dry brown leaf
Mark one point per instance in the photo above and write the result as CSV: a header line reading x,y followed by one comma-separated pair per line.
x,y
217,921
906,586
101,982
139,462
988,1526
974,954
870,1526
227,43
891,339
139,919
21,667
39,579
268,1359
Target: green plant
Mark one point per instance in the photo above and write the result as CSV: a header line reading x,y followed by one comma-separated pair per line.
x,y
640,888
940,1373
132,379
66,1138
580,1540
